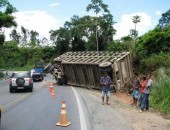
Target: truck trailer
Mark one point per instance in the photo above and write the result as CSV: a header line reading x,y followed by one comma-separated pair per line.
x,y
84,69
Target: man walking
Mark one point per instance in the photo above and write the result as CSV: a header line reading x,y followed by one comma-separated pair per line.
x,y
105,82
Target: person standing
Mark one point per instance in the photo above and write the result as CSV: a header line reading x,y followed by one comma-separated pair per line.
x,y
135,89
147,91
142,88
105,82
59,76
6,75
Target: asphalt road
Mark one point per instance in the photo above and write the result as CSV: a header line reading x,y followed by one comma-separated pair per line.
x,y
38,110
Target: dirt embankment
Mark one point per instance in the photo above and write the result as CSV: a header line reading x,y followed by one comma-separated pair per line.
x,y
147,120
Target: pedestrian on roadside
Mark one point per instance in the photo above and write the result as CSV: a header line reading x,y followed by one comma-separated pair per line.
x,y
105,82
6,75
147,91
142,88
135,89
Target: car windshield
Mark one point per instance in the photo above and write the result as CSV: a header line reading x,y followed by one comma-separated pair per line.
x,y
20,75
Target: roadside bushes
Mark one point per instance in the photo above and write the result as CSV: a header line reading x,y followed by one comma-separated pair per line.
x,y
1,74
160,95
154,62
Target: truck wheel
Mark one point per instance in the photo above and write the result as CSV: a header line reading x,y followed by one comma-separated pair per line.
x,y
105,66
49,68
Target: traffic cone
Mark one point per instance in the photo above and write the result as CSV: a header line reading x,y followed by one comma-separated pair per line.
x,y
52,93
63,116
51,87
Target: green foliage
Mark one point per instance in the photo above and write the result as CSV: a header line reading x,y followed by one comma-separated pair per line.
x,y
24,57
161,73
24,68
155,62
1,74
160,95
2,39
82,33
154,42
115,46
6,19
125,44
165,20
97,6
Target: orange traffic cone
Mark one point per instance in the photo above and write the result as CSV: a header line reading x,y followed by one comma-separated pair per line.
x,y
63,116
51,87
52,93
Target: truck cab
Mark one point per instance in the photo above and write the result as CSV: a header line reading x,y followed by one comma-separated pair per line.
x,y
37,73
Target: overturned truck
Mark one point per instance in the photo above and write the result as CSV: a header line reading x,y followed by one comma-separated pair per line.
x,y
84,69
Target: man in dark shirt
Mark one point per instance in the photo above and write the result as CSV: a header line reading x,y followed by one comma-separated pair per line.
x,y
105,82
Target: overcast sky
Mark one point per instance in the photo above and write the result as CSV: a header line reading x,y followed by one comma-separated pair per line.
x,y
45,15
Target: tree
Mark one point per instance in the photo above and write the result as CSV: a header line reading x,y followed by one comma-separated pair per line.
x,y
136,19
6,19
61,39
25,34
33,38
154,42
97,6
15,36
165,20
133,33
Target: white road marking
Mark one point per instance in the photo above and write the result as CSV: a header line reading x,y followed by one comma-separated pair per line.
x,y
81,113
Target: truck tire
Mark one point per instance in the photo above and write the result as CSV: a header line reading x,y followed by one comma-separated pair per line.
x,y
49,68
105,66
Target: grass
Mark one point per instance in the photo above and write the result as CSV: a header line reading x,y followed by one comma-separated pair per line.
x,y
160,95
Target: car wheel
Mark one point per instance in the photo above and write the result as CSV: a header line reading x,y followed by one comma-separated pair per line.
x,y
31,90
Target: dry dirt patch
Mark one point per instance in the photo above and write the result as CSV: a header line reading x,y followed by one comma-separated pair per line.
x,y
148,120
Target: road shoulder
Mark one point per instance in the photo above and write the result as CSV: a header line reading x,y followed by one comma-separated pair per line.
x,y
121,113
104,117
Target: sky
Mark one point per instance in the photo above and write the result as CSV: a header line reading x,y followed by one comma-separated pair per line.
x,y
45,15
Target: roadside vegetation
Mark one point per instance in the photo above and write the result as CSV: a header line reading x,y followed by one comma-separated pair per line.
x,y
160,95
1,74
150,52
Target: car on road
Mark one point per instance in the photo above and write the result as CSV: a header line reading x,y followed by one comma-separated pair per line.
x,y
20,80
